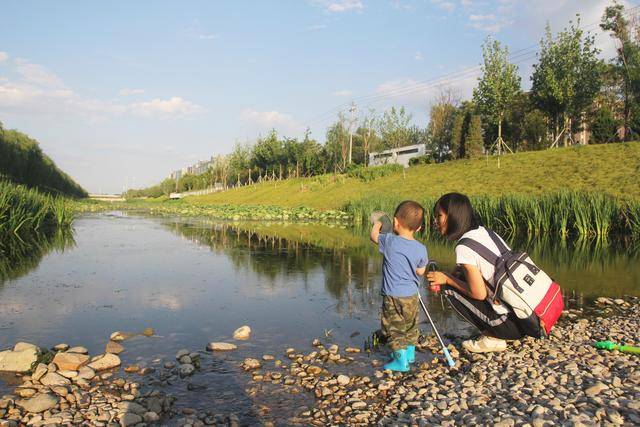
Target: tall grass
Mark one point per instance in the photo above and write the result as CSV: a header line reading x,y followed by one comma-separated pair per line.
x,y
25,212
561,214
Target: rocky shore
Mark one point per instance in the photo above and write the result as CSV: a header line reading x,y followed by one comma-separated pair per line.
x,y
559,380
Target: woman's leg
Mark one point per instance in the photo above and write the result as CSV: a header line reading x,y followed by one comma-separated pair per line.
x,y
483,316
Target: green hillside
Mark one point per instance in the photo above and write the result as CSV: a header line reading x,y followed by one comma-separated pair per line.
x,y
612,169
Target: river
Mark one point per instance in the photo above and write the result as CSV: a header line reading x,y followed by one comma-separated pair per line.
x,y
195,281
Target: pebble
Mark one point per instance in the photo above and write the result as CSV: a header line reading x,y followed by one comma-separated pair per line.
x,y
221,346
242,333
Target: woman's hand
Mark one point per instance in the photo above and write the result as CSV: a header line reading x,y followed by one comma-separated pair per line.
x,y
436,278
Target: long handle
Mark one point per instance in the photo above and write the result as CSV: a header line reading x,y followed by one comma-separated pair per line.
x,y
629,349
445,350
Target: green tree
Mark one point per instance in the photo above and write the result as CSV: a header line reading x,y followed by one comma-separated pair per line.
x,y
626,66
337,144
566,78
535,129
473,143
604,126
441,124
498,86
394,128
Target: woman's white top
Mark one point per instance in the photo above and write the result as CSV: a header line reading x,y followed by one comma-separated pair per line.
x,y
465,255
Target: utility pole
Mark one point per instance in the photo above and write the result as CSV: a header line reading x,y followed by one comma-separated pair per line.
x,y
352,110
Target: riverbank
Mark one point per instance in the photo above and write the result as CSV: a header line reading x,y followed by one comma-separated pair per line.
x,y
604,169
559,380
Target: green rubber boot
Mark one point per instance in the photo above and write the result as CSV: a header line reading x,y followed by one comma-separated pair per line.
x,y
411,353
399,363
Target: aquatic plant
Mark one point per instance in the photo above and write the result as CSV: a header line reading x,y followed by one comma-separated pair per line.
x,y
563,214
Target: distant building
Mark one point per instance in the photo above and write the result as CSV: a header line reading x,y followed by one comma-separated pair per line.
x,y
196,169
400,156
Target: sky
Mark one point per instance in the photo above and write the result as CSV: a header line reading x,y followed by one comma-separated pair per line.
x,y
120,93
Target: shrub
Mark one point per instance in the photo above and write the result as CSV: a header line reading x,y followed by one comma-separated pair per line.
x,y
367,174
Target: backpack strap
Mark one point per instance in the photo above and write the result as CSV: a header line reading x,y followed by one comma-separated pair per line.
x,y
480,249
498,242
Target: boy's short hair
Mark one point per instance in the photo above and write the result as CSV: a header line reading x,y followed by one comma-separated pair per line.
x,y
410,214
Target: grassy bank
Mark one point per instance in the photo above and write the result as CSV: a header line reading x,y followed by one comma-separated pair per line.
x,y
611,169
25,213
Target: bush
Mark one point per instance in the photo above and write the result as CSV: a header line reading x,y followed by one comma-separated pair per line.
x,y
367,174
425,159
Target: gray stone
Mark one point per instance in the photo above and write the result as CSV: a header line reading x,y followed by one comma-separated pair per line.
x,y
186,369
343,380
130,420
39,372
595,389
113,347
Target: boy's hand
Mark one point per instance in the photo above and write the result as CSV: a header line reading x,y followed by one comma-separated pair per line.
x,y
375,231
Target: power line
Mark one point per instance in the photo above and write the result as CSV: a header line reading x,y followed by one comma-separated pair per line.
x,y
519,56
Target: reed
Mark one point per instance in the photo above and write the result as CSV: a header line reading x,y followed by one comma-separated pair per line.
x,y
563,214
25,212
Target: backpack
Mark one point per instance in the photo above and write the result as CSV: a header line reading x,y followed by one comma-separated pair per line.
x,y
532,295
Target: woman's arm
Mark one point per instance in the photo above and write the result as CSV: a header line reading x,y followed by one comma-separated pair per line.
x,y
474,286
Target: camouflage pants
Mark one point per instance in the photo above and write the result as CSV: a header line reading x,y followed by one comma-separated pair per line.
x,y
400,321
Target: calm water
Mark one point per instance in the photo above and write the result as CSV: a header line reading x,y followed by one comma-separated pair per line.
x,y
195,281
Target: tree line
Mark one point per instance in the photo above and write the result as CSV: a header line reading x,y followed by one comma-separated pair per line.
x,y
572,91
23,161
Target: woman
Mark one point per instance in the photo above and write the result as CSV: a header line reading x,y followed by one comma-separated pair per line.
x,y
455,219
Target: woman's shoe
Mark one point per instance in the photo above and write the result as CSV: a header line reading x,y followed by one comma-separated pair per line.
x,y
399,362
485,344
411,353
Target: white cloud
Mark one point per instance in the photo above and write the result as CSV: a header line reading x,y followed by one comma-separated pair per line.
x,y
129,92
482,17
3,56
339,6
418,56
317,27
175,106
207,36
444,5
266,120
38,91
344,92
489,23
36,74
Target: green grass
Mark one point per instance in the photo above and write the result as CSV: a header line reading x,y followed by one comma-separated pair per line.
x,y
25,212
611,169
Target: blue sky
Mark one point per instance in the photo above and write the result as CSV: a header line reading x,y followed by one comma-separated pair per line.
x,y
119,93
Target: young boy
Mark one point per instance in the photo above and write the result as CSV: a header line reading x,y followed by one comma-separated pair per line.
x,y
404,261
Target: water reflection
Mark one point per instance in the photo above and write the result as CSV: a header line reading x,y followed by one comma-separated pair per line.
x,y
18,257
584,267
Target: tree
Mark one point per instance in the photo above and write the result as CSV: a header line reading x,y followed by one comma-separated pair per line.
x,y
535,130
566,78
336,143
441,120
627,63
394,128
498,86
367,133
474,144
604,126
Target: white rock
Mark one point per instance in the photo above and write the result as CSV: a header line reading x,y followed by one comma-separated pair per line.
x,y
22,346
86,373
119,336
52,379
250,364
78,349
107,361
242,333
38,403
343,379
221,346
151,417
39,372
68,374
18,361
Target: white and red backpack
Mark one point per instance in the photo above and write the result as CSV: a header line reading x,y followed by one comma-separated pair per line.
x,y
534,297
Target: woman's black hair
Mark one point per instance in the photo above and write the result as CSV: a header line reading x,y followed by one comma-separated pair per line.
x,y
460,215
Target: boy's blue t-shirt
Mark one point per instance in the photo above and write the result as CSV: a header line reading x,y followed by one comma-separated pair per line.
x,y
401,258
